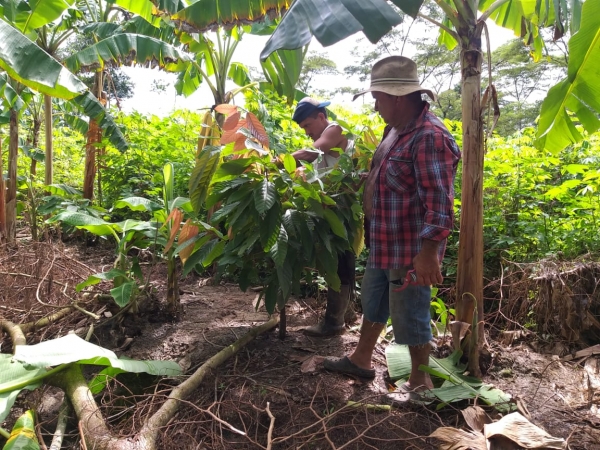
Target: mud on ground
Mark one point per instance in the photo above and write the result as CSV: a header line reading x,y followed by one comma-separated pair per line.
x,y
270,377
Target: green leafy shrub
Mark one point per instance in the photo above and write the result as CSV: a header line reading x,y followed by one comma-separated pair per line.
x,y
154,142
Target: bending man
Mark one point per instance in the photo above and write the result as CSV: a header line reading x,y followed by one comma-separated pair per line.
x,y
311,116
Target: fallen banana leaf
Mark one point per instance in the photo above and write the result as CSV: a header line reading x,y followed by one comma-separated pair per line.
x,y
451,384
522,432
455,439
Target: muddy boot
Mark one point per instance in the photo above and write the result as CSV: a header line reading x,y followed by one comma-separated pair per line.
x,y
333,323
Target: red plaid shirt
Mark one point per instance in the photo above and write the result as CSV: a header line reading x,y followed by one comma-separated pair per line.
x,y
413,197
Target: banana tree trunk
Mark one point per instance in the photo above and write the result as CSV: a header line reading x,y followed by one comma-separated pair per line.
x,y
94,137
49,160
2,199
11,194
469,285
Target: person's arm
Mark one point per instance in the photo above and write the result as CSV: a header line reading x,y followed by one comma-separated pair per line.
x,y
331,138
435,168
305,155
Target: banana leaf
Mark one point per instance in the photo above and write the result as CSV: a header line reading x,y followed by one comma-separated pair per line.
x,y
447,375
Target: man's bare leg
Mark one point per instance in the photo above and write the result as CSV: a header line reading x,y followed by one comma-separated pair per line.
x,y
363,353
419,355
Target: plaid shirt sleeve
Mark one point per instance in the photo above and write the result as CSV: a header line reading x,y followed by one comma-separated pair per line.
x,y
435,160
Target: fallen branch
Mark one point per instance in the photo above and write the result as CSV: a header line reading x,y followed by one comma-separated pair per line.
x,y
45,321
150,430
14,331
271,428
61,426
92,424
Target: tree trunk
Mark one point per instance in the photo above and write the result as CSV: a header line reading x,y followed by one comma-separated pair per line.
x,y
11,194
469,285
49,160
94,132
99,165
173,304
2,199
282,323
93,138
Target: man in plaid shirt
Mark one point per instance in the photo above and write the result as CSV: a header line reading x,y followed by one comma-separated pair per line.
x,y
408,204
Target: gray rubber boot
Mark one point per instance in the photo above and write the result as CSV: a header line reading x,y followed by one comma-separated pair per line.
x,y
333,322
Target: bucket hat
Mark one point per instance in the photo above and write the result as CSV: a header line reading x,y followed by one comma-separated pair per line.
x,y
395,75
306,107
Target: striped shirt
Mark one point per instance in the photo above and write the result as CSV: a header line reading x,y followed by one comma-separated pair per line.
x,y
413,195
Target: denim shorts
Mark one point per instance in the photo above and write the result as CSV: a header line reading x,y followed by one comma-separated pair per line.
x,y
409,308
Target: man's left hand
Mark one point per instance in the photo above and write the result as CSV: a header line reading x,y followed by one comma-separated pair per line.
x,y
427,264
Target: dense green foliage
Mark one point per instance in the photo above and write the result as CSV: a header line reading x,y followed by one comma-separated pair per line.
x,y
536,203
154,142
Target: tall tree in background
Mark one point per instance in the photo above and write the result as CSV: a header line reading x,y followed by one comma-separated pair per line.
x,y
462,25
15,98
315,64
521,84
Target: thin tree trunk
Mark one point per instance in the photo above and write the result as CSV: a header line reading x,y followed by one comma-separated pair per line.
x,y
173,304
99,160
469,285
11,194
49,160
90,159
93,138
2,199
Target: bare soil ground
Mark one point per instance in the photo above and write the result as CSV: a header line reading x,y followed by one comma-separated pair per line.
x,y
270,378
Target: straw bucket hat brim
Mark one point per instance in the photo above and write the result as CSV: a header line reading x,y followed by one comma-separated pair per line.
x,y
395,75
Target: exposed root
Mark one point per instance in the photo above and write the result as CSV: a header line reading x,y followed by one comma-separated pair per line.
x,y
61,426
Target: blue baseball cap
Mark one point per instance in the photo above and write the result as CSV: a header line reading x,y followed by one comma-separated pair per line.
x,y
306,107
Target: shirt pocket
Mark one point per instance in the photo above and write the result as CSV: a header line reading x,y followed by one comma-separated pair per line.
x,y
400,175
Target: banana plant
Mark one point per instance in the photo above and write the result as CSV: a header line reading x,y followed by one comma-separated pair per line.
x,y
28,64
13,97
113,43
106,26
213,64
